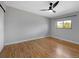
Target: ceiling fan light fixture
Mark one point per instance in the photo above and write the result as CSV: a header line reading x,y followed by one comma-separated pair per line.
x,y
50,10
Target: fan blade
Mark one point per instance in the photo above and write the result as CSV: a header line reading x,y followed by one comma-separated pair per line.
x,y
55,4
44,10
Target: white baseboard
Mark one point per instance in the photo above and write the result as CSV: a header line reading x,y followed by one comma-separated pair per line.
x,y
25,40
39,38
66,40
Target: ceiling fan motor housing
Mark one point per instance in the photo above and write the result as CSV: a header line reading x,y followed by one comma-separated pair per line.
x,y
50,7
51,4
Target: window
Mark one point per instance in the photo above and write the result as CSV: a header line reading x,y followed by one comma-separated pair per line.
x,y
59,24
64,24
67,24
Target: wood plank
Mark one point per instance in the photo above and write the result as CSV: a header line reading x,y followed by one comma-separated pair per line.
x,y
41,48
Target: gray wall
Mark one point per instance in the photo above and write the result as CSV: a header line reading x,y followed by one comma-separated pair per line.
x,y
21,26
71,35
1,27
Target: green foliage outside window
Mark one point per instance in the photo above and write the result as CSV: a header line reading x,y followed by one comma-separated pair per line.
x,y
64,24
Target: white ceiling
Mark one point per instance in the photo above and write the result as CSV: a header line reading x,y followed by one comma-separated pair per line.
x,y
63,7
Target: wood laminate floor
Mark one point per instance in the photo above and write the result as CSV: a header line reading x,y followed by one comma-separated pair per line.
x,y
42,48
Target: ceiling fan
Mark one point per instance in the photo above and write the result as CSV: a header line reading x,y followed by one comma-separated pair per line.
x,y
51,7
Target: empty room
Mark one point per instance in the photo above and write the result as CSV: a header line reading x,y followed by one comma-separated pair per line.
x,y
39,29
